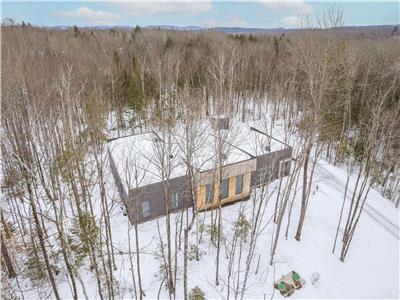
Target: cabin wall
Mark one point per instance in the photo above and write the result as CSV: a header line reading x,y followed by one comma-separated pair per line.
x,y
118,183
244,168
230,170
271,162
154,195
232,196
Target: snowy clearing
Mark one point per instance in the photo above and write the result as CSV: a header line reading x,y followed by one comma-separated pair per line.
x,y
370,270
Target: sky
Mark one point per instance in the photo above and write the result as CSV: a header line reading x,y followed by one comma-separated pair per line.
x,y
205,13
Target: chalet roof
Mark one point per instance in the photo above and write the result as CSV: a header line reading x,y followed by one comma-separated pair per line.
x,y
138,158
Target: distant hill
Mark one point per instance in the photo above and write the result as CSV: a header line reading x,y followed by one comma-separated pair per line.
x,y
370,31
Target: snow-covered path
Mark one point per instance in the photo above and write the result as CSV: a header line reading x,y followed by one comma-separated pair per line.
x,y
339,183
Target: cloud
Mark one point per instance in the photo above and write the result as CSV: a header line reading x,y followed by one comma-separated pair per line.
x,y
232,22
172,7
293,6
291,21
92,17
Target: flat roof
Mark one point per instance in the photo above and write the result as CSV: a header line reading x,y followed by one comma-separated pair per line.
x,y
138,157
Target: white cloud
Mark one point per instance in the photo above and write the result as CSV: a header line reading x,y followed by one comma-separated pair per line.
x,y
291,21
92,17
293,6
232,22
174,7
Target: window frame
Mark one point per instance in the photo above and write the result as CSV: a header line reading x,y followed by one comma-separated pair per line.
x,y
209,193
145,215
225,180
174,199
241,176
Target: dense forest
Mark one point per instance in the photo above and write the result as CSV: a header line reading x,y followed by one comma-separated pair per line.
x,y
64,91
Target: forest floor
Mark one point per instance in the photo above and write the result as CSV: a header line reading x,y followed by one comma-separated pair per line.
x,y
371,269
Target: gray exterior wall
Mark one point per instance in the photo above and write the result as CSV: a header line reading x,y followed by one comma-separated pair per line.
x,y
118,183
270,162
154,194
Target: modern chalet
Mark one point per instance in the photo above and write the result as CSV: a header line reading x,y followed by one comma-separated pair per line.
x,y
248,158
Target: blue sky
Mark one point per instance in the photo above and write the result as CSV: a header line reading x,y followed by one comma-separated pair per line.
x,y
207,13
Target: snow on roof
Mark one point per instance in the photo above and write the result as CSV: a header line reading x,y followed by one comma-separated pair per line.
x,y
138,158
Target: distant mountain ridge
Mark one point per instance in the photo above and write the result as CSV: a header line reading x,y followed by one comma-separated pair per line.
x,y
244,30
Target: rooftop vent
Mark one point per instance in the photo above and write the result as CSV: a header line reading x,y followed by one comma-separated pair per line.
x,y
219,123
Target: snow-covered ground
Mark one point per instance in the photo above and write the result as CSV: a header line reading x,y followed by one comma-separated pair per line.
x,y
371,269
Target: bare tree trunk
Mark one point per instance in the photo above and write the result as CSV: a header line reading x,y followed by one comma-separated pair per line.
x,y
218,245
282,209
304,194
141,292
6,259
341,210
39,232
131,261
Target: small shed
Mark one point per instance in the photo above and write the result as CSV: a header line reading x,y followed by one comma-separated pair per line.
x,y
219,122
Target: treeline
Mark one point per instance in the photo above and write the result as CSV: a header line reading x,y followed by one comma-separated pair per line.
x,y
327,76
59,89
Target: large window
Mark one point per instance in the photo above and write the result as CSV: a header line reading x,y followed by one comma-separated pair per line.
x,y
145,209
239,184
224,189
208,193
174,200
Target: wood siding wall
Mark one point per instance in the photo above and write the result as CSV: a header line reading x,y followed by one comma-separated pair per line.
x,y
232,196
